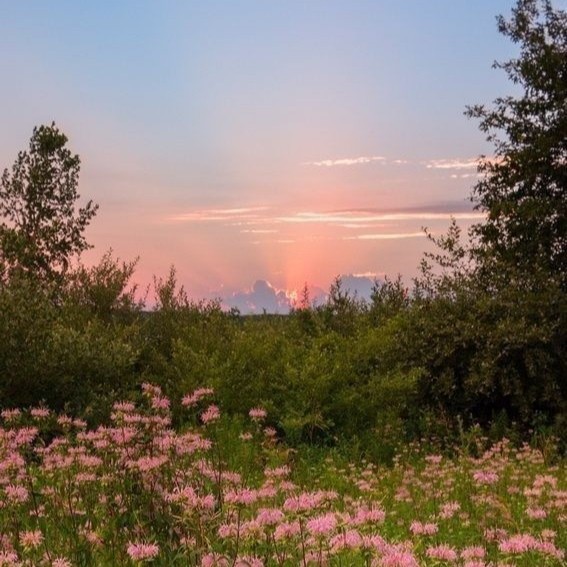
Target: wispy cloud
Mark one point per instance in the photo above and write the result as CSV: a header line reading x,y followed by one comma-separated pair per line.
x,y
385,236
371,275
347,161
444,164
467,163
357,217
218,214
259,231
464,175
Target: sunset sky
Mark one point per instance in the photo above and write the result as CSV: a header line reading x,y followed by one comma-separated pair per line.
x,y
280,141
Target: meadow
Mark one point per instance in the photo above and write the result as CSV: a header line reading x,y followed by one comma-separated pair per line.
x,y
219,492
424,427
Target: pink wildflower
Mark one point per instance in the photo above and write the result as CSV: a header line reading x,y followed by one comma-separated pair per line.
x,y
211,414
193,399
160,402
10,414
269,516
287,530
366,515
520,543
214,560
536,513
417,528
257,414
8,558
473,552
397,557
442,552
16,493
485,477
31,539
270,432
347,540
141,551
39,413
243,496
449,509
322,525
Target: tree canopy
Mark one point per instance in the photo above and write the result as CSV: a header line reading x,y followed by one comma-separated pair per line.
x,y
41,228
524,186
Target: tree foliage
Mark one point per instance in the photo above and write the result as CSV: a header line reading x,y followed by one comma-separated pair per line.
x,y
41,228
524,186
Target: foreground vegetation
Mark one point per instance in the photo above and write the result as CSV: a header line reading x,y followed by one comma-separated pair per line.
x,y
137,491
369,376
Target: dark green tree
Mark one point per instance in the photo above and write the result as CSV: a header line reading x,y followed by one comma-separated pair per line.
x,y
41,228
524,185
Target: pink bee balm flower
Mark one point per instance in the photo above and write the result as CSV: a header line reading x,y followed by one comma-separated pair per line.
x,y
520,543
61,562
31,539
485,477
243,496
398,558
270,432
8,558
417,528
442,552
473,552
10,414
39,412
141,551
287,530
247,561
160,402
16,493
322,525
257,414
536,513
193,399
269,516
214,560
212,413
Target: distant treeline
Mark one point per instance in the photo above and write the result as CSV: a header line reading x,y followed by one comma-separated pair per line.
x,y
407,365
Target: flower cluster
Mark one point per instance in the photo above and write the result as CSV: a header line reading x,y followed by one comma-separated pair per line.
x,y
138,491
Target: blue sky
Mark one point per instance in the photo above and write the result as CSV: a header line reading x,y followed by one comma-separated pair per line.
x,y
210,131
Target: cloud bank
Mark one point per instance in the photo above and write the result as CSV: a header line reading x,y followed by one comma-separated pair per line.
x,y
263,297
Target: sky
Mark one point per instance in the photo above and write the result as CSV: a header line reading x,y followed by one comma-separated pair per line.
x,y
259,145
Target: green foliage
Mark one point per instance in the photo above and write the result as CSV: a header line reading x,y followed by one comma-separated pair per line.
x,y
104,290
41,230
76,353
524,184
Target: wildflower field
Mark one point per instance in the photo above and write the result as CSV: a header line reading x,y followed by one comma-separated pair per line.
x,y
141,491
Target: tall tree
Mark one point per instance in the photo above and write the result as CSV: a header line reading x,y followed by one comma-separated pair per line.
x,y
41,228
524,186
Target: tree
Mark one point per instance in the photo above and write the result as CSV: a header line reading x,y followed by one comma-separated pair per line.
x,y
40,227
524,187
